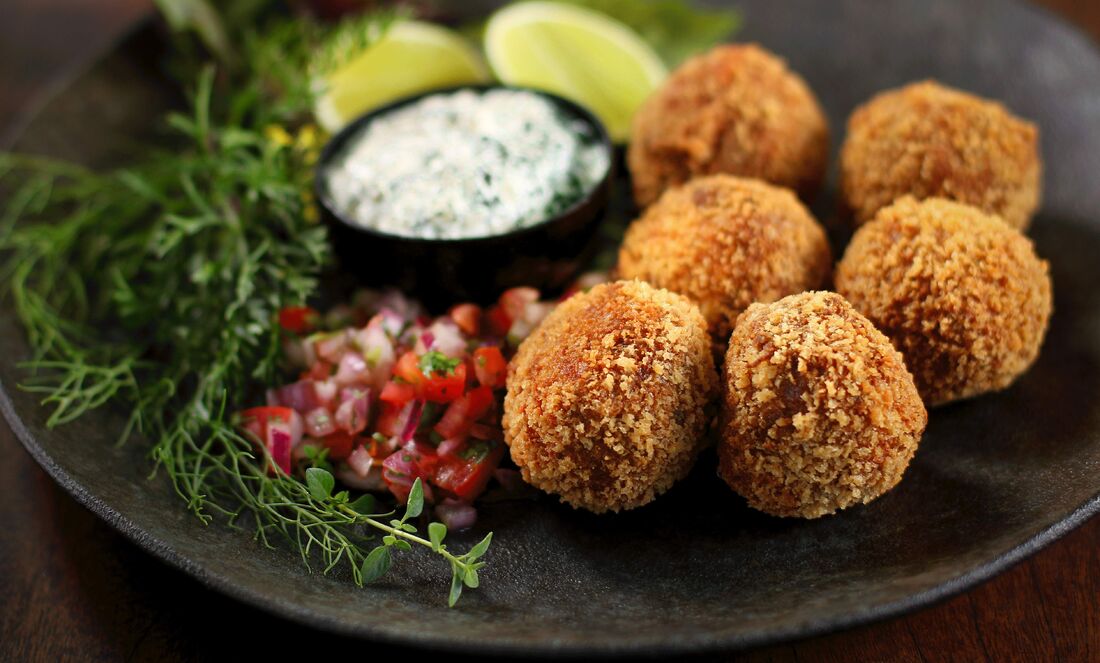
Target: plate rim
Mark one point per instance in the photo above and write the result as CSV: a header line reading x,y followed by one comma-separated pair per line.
x,y
689,644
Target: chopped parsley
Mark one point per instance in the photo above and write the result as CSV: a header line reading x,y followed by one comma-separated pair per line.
x,y
434,361
476,451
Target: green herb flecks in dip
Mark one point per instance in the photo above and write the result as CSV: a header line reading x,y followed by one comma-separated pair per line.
x,y
466,164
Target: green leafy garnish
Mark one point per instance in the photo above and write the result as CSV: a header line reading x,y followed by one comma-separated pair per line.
x,y
349,38
402,533
317,456
436,533
320,483
203,19
674,28
365,504
415,504
476,450
436,362
456,587
376,564
154,287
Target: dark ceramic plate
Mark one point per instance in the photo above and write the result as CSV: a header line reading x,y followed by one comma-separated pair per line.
x,y
994,479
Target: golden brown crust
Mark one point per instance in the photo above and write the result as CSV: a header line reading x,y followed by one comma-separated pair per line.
x,y
927,140
606,403
819,412
736,109
959,292
726,242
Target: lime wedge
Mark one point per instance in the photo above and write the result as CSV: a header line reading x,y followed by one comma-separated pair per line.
x,y
411,57
578,53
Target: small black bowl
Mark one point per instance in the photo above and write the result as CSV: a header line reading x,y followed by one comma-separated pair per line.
x,y
546,255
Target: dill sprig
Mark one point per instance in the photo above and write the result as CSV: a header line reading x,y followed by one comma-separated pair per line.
x,y
154,288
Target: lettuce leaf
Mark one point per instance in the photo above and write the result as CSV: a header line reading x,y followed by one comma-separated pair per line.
x,y
676,29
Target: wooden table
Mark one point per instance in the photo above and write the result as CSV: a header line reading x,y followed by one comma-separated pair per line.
x,y
72,588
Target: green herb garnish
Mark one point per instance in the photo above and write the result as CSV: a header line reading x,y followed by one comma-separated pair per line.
x,y
464,568
317,456
436,362
155,287
676,29
477,450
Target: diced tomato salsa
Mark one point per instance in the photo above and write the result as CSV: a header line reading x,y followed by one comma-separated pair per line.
x,y
403,397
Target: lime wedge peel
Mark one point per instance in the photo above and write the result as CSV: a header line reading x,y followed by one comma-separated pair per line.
x,y
578,53
412,57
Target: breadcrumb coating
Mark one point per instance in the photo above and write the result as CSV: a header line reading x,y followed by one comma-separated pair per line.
x,y
607,399
960,293
927,140
726,242
819,412
736,109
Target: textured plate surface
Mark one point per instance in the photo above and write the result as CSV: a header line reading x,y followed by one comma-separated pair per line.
x,y
994,479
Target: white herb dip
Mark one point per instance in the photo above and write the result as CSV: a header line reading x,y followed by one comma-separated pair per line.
x,y
465,164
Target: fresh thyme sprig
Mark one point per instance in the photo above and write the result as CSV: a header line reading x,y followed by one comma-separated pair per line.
x,y
399,532
154,287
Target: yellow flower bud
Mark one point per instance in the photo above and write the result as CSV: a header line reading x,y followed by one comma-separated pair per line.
x,y
277,135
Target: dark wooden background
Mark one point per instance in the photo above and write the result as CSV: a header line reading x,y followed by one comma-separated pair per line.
x,y
73,589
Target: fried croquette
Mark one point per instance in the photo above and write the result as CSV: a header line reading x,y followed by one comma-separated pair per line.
x,y
819,411
927,140
960,293
726,242
608,398
736,109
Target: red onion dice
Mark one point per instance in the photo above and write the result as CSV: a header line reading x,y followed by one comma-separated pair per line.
x,y
361,461
301,396
319,422
354,410
456,515
352,369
